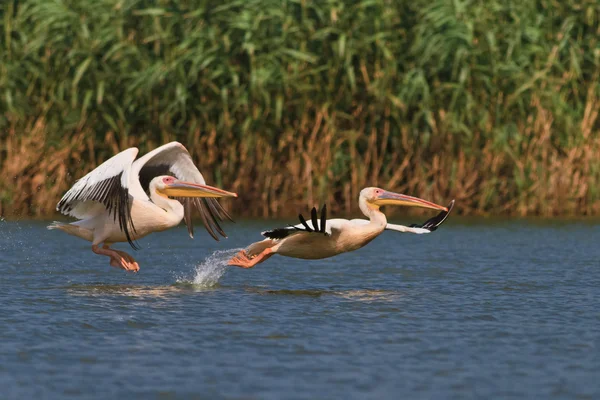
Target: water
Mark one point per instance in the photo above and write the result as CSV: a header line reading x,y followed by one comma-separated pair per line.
x,y
508,309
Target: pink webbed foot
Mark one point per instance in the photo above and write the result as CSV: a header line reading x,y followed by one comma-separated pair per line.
x,y
118,259
242,259
132,265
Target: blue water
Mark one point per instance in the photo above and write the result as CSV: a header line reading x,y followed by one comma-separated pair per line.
x,y
506,309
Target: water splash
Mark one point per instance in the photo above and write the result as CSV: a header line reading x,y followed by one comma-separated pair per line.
x,y
209,272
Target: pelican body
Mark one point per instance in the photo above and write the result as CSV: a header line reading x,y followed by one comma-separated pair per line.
x,y
322,238
124,199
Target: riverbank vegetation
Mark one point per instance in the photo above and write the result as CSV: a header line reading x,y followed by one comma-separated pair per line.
x,y
293,103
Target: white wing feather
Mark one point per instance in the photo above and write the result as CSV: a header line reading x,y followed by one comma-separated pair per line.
x,y
75,203
393,227
174,159
428,226
173,155
331,225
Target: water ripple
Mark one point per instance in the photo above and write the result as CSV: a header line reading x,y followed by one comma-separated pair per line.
x,y
471,311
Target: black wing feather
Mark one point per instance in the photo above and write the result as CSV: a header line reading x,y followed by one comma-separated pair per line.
x,y
323,218
209,215
211,212
187,215
280,233
303,222
219,210
205,220
113,196
313,217
215,215
433,223
212,216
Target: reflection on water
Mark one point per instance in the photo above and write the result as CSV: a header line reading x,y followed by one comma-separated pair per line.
x,y
370,295
127,290
359,295
179,289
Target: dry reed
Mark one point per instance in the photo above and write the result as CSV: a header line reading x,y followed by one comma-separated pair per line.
x,y
294,103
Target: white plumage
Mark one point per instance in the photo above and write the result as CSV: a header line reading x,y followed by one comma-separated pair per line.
x,y
79,201
124,200
321,238
173,157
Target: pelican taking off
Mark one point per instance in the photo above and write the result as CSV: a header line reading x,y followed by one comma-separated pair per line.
x,y
324,238
123,200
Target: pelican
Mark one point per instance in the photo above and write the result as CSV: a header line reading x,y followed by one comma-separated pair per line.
x,y
324,238
123,200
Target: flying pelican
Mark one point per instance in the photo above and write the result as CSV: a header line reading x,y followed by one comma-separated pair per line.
x,y
324,238
123,200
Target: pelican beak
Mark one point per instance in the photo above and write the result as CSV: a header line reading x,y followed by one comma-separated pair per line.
x,y
190,189
396,199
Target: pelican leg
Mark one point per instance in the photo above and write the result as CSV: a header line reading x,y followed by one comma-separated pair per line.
x,y
242,260
116,259
134,266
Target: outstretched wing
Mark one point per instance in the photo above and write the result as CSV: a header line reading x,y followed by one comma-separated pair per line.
x,y
315,225
174,159
427,227
105,188
433,223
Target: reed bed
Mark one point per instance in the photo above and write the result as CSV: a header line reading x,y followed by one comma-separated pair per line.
x,y
293,103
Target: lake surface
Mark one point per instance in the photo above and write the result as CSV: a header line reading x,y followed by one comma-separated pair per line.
x,y
504,309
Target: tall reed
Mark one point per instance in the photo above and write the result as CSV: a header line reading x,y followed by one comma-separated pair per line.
x,y
293,103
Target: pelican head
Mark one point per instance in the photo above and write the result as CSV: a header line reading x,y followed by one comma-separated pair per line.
x,y
172,187
379,197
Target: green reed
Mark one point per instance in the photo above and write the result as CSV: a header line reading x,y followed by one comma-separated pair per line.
x,y
294,102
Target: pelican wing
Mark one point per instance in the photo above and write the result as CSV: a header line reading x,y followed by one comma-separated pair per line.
x,y
315,225
433,223
105,188
174,159
426,227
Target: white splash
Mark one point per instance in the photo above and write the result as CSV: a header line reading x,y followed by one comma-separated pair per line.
x,y
209,272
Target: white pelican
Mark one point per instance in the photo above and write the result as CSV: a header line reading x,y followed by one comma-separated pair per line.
x,y
326,238
123,200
